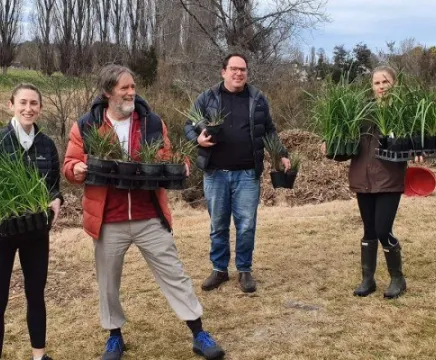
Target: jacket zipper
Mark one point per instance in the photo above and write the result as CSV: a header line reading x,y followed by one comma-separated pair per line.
x,y
129,197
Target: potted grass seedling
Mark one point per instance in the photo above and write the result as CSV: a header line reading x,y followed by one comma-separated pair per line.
x,y
24,199
102,150
213,126
338,112
195,115
280,178
150,166
430,126
174,168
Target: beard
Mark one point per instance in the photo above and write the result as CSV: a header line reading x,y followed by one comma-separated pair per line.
x,y
125,109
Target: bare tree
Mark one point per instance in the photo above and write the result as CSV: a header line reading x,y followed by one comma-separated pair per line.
x,y
258,30
10,16
65,33
83,20
45,12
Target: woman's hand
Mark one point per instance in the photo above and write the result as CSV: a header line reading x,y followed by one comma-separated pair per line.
x,y
420,158
55,205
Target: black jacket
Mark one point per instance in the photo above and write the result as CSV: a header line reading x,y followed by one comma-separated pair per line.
x,y
261,124
43,153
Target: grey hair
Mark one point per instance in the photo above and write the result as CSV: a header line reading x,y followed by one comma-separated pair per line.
x,y
387,69
110,75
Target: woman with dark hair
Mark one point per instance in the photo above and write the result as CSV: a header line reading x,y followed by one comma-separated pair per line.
x,y
22,135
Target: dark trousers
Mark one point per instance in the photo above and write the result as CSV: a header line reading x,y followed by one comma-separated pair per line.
x,y
378,213
33,253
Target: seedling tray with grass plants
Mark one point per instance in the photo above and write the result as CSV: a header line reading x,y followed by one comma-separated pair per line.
x,y
401,156
28,223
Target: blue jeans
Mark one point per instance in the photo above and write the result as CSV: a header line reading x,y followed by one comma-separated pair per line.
x,y
230,192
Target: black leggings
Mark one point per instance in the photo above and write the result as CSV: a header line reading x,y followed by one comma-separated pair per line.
x,y
33,253
378,213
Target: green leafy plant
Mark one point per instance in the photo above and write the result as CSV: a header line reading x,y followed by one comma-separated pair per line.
x,y
275,149
194,114
295,161
338,111
104,146
148,152
180,150
22,188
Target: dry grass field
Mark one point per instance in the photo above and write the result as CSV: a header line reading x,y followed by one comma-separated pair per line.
x,y
306,263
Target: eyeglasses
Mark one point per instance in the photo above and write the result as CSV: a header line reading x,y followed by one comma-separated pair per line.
x,y
235,69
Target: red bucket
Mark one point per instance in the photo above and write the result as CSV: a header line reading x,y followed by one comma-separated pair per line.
x,y
419,181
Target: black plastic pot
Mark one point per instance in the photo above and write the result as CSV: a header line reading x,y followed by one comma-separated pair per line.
x,y
429,142
383,141
99,166
21,224
398,144
30,223
153,171
3,228
175,177
174,170
417,142
12,226
214,132
200,126
128,169
336,148
281,179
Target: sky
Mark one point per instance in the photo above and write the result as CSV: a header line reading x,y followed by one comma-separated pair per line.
x,y
374,22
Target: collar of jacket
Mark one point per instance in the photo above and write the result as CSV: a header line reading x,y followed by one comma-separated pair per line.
x,y
11,132
100,104
254,92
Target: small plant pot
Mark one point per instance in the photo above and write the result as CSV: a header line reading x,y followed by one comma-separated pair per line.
x,y
281,179
383,141
3,228
41,221
337,147
429,142
200,126
175,184
214,132
417,142
97,180
12,226
174,170
21,224
100,165
128,169
152,170
398,144
30,223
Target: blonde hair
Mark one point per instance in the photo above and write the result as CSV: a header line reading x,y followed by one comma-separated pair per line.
x,y
387,69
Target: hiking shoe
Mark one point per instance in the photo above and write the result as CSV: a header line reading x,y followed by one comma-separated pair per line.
x,y
214,280
114,348
246,282
204,345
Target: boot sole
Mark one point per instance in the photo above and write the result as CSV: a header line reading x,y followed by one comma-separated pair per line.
x,y
217,355
396,296
366,293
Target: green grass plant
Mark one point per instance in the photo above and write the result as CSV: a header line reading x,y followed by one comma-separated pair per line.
x,y
338,111
22,188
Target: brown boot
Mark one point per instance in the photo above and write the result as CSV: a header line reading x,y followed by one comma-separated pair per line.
x,y
215,280
246,282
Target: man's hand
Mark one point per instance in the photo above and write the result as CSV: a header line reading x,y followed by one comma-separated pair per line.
x,y
79,171
204,140
286,164
55,205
